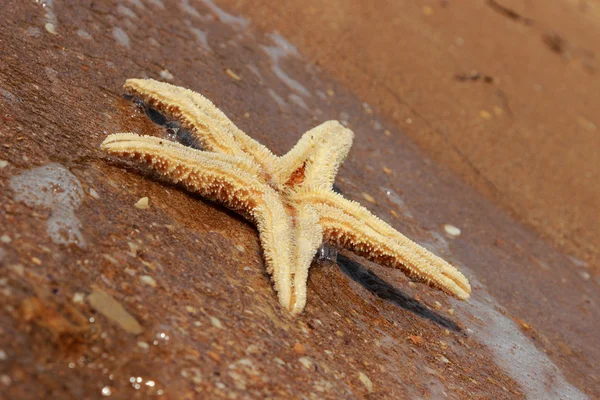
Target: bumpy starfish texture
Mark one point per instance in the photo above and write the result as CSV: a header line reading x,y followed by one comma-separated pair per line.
x,y
289,198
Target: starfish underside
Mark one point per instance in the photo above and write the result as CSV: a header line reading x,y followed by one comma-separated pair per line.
x,y
289,198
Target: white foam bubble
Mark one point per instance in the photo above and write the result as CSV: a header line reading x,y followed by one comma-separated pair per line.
x,y
283,48
188,8
201,35
536,374
50,18
53,187
398,201
238,23
278,99
299,101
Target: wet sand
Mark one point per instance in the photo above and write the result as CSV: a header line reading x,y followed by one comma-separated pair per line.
x,y
104,299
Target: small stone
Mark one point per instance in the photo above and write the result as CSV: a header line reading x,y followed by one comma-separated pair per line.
x,y
216,322
485,114
50,28
94,194
148,280
417,340
165,74
214,356
106,305
36,260
5,379
5,239
191,309
387,170
387,133
444,359
133,248
232,75
369,198
78,297
306,362
246,115
142,203
437,305
2,355
3,163
452,230
17,268
240,248
330,92
143,345
299,349
451,311
585,275
365,381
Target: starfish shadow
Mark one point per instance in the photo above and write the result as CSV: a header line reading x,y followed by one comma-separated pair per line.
x,y
380,288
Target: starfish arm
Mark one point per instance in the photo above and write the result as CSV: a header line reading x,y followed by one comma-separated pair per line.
x,y
209,125
217,177
276,235
350,225
309,236
317,156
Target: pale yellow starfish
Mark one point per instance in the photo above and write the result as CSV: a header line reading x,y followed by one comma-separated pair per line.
x,y
289,198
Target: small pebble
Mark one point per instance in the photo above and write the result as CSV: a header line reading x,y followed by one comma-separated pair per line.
x,y
330,92
5,379
299,349
2,355
165,74
5,239
306,362
78,297
452,230
3,163
387,170
365,381
94,194
50,28
485,114
148,280
36,260
232,75
216,322
279,361
143,345
142,203
369,198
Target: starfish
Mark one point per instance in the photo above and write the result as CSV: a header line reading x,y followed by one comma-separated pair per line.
x,y
289,198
